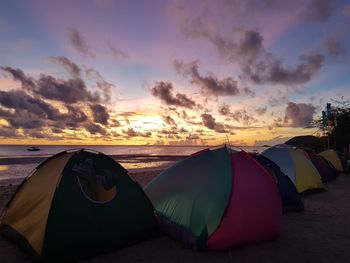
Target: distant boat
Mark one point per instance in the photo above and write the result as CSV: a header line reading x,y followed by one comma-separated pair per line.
x,y
33,149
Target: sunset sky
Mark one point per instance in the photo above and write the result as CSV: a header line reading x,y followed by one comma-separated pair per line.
x,y
169,72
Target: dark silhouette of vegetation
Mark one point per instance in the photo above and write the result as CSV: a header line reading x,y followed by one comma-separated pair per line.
x,y
334,130
336,125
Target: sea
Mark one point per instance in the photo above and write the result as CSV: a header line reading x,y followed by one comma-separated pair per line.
x,y
130,157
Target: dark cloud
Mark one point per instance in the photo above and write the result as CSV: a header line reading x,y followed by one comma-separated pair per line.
x,y
333,47
67,91
130,132
101,83
28,110
164,91
116,52
346,10
261,111
78,41
17,74
68,65
100,114
21,101
273,101
319,10
248,46
95,129
75,116
8,132
210,85
209,122
246,49
225,110
298,114
241,115
168,120
274,72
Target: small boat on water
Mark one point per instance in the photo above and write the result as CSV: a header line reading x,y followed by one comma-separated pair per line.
x,y
33,149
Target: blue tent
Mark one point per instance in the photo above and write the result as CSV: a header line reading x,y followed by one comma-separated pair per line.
x,y
289,195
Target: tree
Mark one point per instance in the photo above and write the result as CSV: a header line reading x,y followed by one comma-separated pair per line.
x,y
336,124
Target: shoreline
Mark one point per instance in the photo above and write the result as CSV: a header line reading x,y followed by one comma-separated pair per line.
x,y
136,172
120,157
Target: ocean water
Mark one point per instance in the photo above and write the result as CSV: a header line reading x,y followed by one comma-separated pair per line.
x,y
131,157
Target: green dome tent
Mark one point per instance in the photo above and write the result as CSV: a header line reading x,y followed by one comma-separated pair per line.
x,y
77,204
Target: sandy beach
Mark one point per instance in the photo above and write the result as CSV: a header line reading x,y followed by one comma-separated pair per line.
x,y
321,233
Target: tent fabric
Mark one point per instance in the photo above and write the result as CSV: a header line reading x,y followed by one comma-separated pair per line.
x,y
297,167
29,212
290,197
332,156
326,171
56,220
213,198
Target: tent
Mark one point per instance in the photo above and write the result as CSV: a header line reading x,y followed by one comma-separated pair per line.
x,y
289,195
216,199
297,167
325,169
332,156
77,204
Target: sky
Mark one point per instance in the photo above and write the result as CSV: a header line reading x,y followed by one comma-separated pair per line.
x,y
169,72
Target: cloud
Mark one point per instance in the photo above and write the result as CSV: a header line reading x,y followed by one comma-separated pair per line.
x,y
8,132
22,103
243,116
225,110
261,111
209,122
168,120
164,91
210,85
54,107
70,66
318,10
103,85
17,74
270,70
116,52
298,114
130,132
68,91
95,129
78,41
245,48
346,10
240,115
333,47
100,114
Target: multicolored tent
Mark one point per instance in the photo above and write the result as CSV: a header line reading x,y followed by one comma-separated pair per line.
x,y
77,204
332,156
290,197
296,166
216,199
325,169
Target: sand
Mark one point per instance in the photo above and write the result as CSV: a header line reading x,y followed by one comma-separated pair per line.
x,y
321,233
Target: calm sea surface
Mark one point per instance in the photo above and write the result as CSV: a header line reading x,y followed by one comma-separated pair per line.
x,y
134,157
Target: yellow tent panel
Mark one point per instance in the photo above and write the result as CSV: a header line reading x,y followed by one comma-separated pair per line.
x,y
30,220
333,158
307,176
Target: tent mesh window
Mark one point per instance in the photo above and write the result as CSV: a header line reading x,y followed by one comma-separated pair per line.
x,y
97,186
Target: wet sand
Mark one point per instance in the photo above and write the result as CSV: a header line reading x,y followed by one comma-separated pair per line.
x,y
321,233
